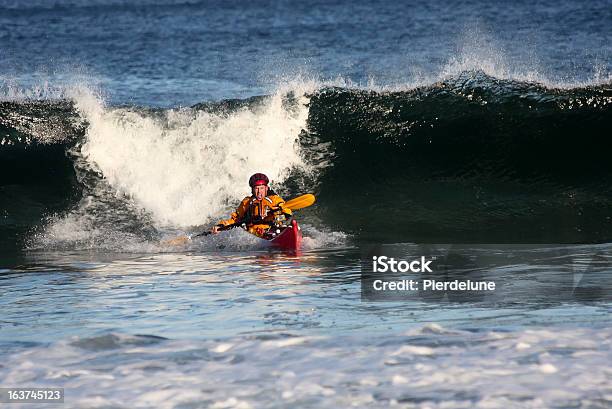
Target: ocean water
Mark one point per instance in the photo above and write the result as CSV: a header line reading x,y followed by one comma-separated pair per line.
x,y
483,125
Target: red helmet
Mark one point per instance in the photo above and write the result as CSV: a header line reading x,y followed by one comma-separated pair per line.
x,y
258,179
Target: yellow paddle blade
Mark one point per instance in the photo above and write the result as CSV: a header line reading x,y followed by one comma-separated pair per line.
x,y
300,202
176,241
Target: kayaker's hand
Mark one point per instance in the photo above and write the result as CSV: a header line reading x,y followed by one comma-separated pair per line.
x,y
215,230
285,210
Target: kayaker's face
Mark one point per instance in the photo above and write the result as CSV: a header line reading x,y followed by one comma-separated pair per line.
x,y
260,191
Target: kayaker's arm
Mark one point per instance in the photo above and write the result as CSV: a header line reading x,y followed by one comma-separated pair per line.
x,y
215,229
235,218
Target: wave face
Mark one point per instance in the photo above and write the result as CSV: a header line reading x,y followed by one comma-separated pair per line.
x,y
37,177
471,158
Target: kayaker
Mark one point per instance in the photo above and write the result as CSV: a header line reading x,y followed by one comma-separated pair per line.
x,y
258,211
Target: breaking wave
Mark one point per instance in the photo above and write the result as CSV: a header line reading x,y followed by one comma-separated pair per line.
x,y
472,157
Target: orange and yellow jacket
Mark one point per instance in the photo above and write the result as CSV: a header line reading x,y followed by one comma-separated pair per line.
x,y
257,212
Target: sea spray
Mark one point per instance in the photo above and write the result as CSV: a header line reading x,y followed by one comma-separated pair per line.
x,y
187,167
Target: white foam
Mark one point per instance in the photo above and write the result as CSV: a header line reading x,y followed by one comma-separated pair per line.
x,y
231,403
79,231
548,368
316,239
252,374
221,348
413,350
188,168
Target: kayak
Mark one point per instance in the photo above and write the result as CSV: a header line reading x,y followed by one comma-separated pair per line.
x,y
290,238
286,238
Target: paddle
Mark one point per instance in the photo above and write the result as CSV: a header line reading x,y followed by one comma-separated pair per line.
x,y
297,203
184,239
300,202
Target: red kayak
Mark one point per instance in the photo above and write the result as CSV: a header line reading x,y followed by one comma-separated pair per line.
x,y
286,238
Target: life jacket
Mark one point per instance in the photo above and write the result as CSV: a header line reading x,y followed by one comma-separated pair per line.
x,y
261,211
257,212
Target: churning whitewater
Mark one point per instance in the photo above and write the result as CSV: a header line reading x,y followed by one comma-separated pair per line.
x,y
173,168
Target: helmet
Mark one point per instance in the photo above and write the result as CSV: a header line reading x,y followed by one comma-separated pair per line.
x,y
258,179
